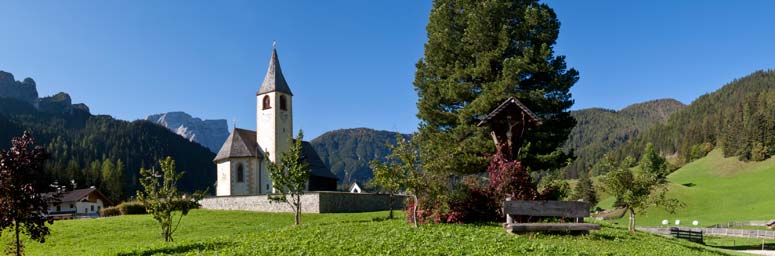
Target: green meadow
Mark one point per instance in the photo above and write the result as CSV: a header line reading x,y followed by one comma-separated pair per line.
x,y
206,232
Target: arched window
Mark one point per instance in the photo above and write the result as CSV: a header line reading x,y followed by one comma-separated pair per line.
x,y
267,104
283,104
240,173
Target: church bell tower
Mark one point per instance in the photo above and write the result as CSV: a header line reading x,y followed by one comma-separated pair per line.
x,y
274,117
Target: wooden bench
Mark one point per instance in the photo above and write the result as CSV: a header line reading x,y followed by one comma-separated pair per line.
x,y
694,236
563,209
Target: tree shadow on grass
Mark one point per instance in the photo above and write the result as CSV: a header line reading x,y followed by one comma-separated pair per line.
x,y
697,248
375,219
180,249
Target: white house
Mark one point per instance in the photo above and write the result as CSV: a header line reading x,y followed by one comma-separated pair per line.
x,y
79,202
355,188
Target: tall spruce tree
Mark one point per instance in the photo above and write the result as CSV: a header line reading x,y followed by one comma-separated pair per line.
x,y
478,54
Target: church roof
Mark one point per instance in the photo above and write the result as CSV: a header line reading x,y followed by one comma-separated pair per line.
x,y
240,143
316,165
274,81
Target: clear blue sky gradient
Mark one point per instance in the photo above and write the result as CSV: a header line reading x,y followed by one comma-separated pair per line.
x,y
351,63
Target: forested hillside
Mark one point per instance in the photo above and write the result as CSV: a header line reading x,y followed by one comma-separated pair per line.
x,y
739,118
599,131
348,151
99,150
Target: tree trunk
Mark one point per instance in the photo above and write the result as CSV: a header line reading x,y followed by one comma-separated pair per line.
x,y
414,210
632,221
390,215
298,210
18,241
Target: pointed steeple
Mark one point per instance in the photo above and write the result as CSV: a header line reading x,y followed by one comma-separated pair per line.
x,y
274,80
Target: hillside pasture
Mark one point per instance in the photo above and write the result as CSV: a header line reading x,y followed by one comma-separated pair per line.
x,y
716,190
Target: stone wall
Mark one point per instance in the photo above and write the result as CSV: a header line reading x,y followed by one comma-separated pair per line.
x,y
312,202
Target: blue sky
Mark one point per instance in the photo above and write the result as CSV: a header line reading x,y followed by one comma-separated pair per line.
x,y
351,63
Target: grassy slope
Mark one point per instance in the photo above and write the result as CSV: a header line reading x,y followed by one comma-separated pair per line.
x,y
717,190
249,233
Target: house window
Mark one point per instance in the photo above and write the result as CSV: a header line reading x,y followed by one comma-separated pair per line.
x,y
72,206
92,208
267,104
85,209
59,208
240,173
283,104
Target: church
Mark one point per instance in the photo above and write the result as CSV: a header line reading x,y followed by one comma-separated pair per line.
x,y
242,161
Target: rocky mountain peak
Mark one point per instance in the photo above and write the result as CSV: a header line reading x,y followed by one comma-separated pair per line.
x,y
208,133
25,90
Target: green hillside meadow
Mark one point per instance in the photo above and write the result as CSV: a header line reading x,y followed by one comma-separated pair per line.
x,y
718,190
206,232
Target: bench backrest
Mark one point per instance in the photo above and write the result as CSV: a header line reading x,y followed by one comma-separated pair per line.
x,y
568,209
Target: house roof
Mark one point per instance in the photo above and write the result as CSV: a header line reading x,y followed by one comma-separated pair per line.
x,y
510,103
274,81
78,194
240,143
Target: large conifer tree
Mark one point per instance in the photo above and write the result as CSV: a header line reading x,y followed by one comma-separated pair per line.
x,y
478,54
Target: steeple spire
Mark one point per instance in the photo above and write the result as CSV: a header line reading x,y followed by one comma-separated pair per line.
x,y
274,81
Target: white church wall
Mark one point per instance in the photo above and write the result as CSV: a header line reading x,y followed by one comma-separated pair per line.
x,y
239,187
223,186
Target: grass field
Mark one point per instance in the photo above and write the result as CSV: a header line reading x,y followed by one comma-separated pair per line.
x,y
206,232
717,190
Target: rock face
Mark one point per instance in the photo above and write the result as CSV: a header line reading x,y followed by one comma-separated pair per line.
x,y
24,90
27,91
208,133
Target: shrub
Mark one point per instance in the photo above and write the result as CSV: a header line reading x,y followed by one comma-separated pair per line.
x,y
128,208
473,203
110,211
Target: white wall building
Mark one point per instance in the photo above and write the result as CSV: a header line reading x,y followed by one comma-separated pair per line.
x,y
79,202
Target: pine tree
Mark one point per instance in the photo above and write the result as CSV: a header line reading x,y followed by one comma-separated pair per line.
x,y
478,54
585,191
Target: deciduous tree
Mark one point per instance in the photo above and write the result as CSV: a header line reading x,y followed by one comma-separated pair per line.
x,y
161,197
398,170
642,186
23,206
290,176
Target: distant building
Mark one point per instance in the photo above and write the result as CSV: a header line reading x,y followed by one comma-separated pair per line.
x,y
85,202
243,158
355,188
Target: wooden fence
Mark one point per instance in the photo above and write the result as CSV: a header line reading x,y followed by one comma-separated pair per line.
x,y
694,236
759,234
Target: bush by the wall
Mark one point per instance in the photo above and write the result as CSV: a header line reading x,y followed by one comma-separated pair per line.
x,y
110,211
128,208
